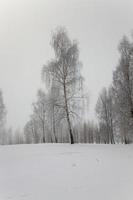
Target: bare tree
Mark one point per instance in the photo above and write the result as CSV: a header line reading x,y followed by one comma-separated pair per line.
x,y
104,111
39,113
64,72
3,134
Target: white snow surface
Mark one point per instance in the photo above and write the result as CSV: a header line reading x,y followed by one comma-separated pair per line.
x,y
66,172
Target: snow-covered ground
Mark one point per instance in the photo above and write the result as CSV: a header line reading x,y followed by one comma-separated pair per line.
x,y
66,172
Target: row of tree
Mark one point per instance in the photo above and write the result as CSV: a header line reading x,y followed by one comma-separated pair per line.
x,y
59,112
115,105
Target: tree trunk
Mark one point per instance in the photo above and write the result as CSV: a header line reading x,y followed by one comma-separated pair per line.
x,y
53,121
68,117
43,133
70,129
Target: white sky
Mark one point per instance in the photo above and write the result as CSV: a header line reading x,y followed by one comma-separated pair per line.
x,y
25,33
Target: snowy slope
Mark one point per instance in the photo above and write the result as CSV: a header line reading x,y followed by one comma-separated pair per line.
x,y
66,172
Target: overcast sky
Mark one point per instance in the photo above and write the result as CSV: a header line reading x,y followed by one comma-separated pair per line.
x,y
25,33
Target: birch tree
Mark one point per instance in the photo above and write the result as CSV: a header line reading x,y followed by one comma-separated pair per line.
x,y
64,72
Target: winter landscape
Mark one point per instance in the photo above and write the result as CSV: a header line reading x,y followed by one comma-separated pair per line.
x,y
66,100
